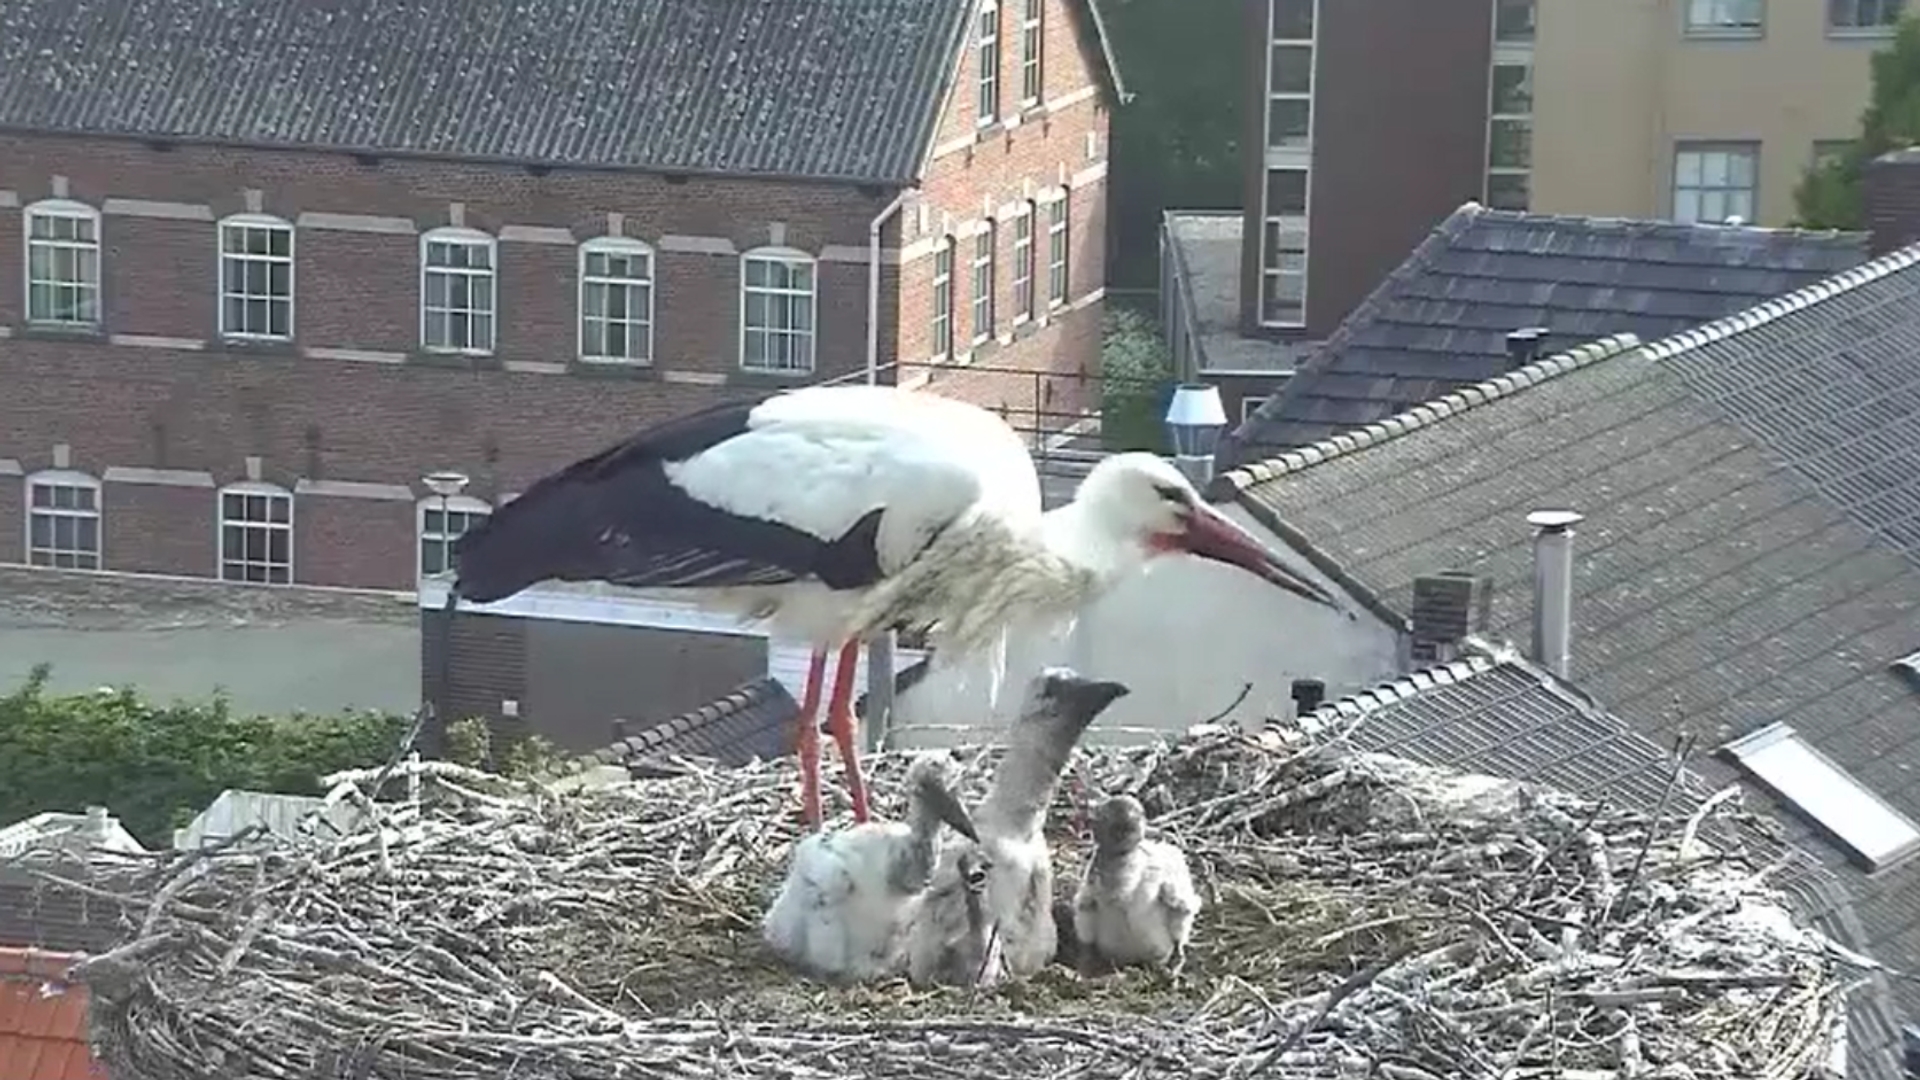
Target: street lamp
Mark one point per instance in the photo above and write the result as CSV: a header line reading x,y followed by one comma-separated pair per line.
x,y
445,484
1195,422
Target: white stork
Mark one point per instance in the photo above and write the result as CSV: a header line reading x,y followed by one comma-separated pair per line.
x,y
834,513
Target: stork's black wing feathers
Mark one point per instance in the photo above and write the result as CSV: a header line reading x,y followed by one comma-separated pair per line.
x,y
615,517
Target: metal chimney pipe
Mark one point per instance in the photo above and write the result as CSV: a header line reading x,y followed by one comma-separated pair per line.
x,y
1553,587
1523,346
1308,694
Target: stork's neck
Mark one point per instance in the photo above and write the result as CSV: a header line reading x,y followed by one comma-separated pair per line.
x,y
1028,774
912,864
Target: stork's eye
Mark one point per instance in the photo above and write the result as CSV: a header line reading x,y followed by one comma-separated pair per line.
x,y
1172,493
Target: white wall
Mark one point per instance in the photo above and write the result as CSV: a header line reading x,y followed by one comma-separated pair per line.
x,y
1185,637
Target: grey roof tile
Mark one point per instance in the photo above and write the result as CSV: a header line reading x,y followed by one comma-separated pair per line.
x,y
1746,556
804,88
753,721
1497,714
1440,320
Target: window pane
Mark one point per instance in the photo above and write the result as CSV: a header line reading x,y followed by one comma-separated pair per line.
x,y
1513,20
1287,121
1286,192
1292,20
1513,89
1512,144
1292,69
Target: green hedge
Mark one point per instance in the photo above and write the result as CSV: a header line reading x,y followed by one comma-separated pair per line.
x,y
1136,383
156,766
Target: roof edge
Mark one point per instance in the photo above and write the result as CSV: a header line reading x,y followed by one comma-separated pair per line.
x,y
1235,483
1304,546
1437,240
1114,86
1780,307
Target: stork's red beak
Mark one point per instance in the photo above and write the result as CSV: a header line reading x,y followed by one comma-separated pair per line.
x,y
1212,535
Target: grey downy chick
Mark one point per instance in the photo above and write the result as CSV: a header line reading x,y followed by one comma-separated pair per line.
x,y
1136,904
1018,892
850,892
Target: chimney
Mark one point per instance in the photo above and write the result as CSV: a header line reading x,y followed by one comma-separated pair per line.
x,y
1553,587
1446,608
1308,694
1890,200
1523,346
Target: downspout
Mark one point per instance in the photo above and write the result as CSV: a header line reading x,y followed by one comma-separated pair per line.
x,y
880,648
873,286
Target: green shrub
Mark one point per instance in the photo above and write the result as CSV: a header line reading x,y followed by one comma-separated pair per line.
x,y
1136,382
156,766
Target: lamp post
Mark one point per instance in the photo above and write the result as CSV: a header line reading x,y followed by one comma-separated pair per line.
x,y
445,485
1195,422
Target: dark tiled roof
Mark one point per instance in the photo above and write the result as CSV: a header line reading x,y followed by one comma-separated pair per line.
x,y
42,914
1496,714
1440,320
803,88
1730,572
754,721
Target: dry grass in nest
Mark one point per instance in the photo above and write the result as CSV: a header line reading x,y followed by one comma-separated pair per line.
x,y
1363,915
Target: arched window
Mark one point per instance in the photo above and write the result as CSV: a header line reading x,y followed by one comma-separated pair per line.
x,y
457,278
982,275
63,263
778,302
63,520
256,533
940,331
441,522
256,278
616,301
1057,252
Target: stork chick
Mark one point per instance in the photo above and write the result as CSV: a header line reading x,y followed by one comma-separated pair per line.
x,y
1136,904
1011,821
847,892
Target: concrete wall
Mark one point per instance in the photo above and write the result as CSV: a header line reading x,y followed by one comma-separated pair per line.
x,y
1186,636
1617,84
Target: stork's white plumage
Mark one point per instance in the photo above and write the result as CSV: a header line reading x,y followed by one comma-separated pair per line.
x,y
1136,903
848,892
839,512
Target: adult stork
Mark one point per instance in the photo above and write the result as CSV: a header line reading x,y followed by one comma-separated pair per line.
x,y
833,513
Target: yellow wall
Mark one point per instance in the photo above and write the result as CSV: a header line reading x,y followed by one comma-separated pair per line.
x,y
1616,85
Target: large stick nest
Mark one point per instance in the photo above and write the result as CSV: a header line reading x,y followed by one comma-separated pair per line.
x,y
1364,917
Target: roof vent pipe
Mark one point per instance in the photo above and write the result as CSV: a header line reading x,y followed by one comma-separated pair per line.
x,y
1308,694
1553,587
1523,346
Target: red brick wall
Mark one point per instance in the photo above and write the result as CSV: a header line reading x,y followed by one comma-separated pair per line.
x,y
158,529
1002,164
361,290
368,543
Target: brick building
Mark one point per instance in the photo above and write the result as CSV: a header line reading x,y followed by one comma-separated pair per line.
x,y
279,261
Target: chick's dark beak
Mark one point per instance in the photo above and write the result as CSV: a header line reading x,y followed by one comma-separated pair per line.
x,y
946,806
1212,535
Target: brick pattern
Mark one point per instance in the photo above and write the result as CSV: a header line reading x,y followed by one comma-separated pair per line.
x,y
1890,194
488,665
1004,164
210,409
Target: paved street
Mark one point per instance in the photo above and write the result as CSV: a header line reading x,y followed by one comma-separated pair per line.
x,y
273,650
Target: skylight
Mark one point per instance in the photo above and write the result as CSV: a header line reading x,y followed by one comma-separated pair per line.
x,y
1875,833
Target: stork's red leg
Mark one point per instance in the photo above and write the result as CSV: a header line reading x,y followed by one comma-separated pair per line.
x,y
807,740
840,723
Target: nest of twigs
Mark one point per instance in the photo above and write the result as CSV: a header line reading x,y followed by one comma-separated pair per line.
x,y
1364,917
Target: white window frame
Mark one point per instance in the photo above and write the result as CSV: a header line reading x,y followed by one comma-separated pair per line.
x,y
63,478
1780,759
1033,49
639,325
986,47
454,504
980,282
810,334
1276,96
469,238
940,323
1709,18
1059,255
244,222
256,489
1023,264
67,209
1857,28
1250,404
1699,193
